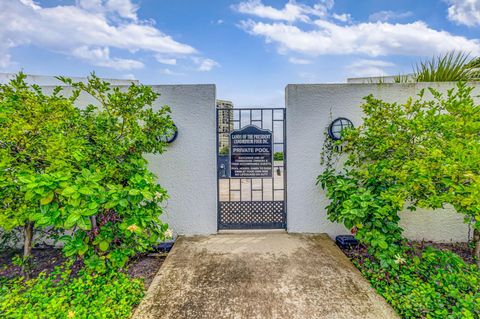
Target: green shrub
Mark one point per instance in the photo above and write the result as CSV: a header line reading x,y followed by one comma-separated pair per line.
x,y
82,170
431,284
38,136
114,201
86,295
421,153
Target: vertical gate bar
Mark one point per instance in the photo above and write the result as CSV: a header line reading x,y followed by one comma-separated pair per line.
x,y
218,180
285,167
261,124
262,188
273,151
251,179
230,169
240,127
241,180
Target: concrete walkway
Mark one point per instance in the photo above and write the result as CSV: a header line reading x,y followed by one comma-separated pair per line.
x,y
260,275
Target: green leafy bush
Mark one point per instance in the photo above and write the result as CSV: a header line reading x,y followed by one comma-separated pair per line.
x,y
81,171
37,137
421,153
430,284
60,295
369,209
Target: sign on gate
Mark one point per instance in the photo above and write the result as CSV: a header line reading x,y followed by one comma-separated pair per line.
x,y
251,153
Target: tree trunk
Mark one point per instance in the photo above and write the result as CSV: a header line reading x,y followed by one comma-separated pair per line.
x,y
476,250
27,240
27,248
93,221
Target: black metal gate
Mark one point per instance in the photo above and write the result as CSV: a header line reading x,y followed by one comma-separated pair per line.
x,y
252,203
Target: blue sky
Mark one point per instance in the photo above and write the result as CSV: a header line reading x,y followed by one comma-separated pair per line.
x,y
250,49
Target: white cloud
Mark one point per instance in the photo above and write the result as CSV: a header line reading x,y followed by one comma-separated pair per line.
x,y
101,57
372,39
344,17
164,60
466,12
88,29
205,64
387,15
367,68
167,71
123,8
292,11
323,35
299,61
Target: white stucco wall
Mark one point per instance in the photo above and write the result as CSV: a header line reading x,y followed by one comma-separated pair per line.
x,y
310,109
188,169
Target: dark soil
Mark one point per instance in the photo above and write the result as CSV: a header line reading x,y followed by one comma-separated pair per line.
x,y
46,259
461,249
146,267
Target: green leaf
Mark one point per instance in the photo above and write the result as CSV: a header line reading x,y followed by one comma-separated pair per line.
x,y
47,199
123,202
93,205
25,179
68,191
29,195
103,245
71,220
133,192
39,190
85,190
111,204
382,244
147,195
84,223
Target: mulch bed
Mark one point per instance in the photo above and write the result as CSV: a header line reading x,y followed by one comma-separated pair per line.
x,y
146,267
46,259
461,249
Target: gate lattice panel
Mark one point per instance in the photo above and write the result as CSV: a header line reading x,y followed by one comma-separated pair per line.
x,y
269,214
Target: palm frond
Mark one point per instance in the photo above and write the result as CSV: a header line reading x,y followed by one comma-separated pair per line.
x,y
452,66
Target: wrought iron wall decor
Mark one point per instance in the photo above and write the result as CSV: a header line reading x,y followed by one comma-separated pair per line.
x,y
170,136
337,126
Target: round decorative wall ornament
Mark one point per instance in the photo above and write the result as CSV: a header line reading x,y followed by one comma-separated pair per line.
x,y
337,126
171,135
